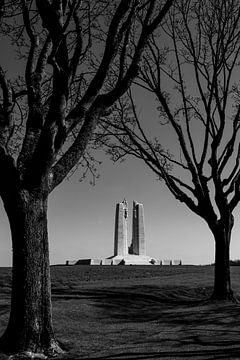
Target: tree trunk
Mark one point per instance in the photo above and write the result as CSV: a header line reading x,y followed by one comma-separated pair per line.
x,y
30,327
222,280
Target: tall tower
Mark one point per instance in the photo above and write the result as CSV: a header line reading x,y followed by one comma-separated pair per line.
x,y
120,237
138,232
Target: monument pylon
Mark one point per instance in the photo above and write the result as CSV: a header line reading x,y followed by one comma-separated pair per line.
x,y
120,236
135,254
138,231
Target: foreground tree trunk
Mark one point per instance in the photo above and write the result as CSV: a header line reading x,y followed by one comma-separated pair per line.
x,y
222,283
30,327
58,108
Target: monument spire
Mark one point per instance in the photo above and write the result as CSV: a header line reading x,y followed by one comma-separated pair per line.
x,y
138,230
138,245
120,236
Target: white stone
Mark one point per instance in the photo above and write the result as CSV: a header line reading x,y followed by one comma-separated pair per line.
x,y
120,234
176,262
167,262
107,262
96,261
71,262
133,260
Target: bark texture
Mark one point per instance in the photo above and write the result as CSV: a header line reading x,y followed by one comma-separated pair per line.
x,y
222,279
30,324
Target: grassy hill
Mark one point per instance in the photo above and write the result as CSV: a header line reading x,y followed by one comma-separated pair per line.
x,y
139,312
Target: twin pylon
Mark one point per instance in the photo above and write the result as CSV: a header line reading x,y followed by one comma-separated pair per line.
x,y
138,245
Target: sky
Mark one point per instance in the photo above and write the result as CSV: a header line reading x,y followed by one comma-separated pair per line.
x,y
81,216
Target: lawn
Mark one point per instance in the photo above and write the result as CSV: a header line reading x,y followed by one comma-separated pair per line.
x,y
139,312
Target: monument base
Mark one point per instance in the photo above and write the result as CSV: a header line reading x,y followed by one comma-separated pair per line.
x,y
132,260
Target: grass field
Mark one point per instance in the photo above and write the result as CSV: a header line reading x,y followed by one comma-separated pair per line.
x,y
138,312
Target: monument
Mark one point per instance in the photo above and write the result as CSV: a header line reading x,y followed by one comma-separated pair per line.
x,y
138,231
120,236
135,254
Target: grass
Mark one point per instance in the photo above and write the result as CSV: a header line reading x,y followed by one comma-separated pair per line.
x,y
139,312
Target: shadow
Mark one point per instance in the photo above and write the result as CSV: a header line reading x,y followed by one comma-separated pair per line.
x,y
196,355
178,321
176,296
137,303
148,303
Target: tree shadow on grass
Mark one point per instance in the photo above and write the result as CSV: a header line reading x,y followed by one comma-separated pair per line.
x,y
226,354
181,322
168,294
176,305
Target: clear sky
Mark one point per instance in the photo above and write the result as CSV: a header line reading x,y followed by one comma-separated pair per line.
x,y
81,217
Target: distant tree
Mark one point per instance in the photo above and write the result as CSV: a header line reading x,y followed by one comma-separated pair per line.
x,y
192,71
77,62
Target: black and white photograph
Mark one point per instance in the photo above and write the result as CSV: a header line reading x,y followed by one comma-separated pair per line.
x,y
119,179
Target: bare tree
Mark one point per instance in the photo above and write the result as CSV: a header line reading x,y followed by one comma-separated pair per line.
x,y
78,61
195,81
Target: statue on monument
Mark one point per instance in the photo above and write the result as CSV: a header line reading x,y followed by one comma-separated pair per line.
x,y
125,204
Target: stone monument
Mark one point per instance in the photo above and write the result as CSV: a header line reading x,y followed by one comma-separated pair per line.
x,y
120,236
138,231
135,254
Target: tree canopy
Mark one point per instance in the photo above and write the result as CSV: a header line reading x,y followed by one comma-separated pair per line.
x,y
78,62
